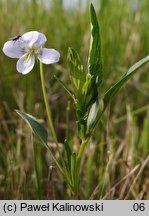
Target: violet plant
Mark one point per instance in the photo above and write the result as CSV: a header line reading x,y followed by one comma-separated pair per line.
x,y
88,103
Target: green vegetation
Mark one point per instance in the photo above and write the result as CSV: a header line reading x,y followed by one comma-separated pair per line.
x,y
116,161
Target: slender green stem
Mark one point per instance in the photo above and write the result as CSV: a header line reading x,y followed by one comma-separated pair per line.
x,y
48,107
78,166
50,116
81,151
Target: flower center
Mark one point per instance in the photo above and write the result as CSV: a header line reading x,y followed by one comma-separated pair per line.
x,y
32,51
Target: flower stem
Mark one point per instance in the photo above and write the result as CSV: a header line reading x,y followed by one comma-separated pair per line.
x,y
49,115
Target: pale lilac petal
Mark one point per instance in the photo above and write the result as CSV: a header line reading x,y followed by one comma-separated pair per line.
x,y
34,39
25,64
48,56
13,49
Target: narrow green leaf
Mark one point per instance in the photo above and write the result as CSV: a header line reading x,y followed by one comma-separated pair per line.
x,y
114,89
42,134
95,67
77,73
37,128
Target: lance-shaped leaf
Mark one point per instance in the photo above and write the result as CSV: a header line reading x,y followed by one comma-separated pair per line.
x,y
36,127
42,134
77,73
114,89
95,58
